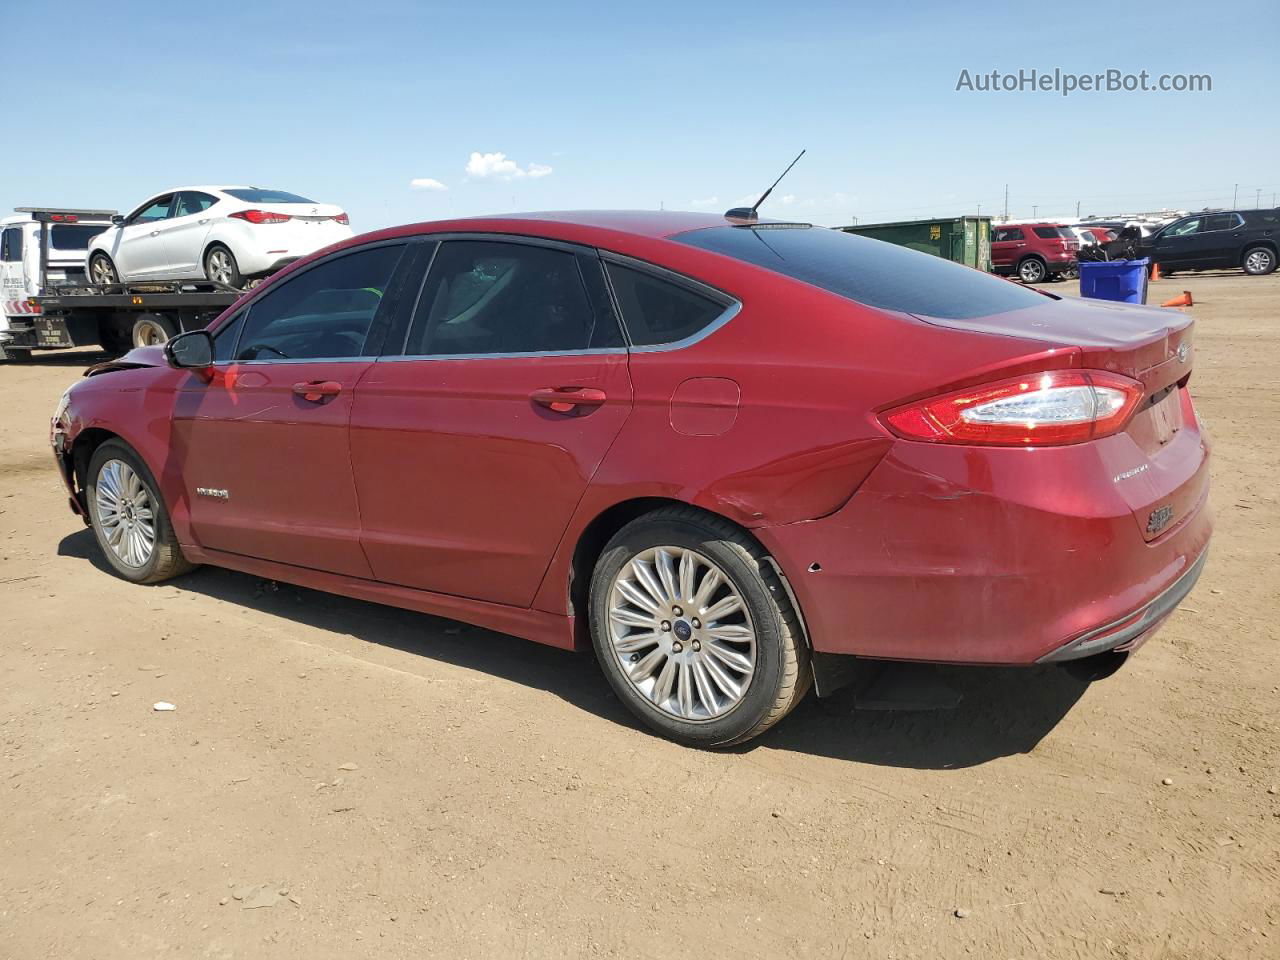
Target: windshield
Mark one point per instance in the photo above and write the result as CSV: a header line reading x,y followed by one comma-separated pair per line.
x,y
65,237
868,271
258,195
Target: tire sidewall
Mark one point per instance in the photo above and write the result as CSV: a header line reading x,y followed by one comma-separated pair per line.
x,y
115,450
766,619
1032,261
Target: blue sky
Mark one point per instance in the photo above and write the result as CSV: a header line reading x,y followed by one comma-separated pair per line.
x,y
687,105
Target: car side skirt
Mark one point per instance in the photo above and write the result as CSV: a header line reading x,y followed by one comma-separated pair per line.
x,y
555,630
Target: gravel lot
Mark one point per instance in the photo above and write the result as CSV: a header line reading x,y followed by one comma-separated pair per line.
x,y
341,779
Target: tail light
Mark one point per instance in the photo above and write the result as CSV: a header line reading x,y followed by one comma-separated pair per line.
x,y
260,216
1045,409
343,219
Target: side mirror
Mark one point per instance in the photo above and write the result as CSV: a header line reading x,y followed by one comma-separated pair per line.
x,y
190,351
117,219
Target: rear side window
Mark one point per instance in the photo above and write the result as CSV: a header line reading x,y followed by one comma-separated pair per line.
x,y
657,311
489,297
322,313
1053,233
868,271
190,202
258,195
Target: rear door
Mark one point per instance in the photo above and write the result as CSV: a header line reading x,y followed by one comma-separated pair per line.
x,y
1218,243
263,448
1006,246
473,444
184,233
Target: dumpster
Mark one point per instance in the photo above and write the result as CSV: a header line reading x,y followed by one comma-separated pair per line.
x,y
1124,281
964,240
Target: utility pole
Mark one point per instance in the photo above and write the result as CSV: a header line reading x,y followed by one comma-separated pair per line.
x,y
1235,197
979,208
1257,203
1034,208
1077,209
1006,203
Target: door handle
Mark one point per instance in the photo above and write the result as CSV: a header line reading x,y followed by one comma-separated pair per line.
x,y
205,220
317,391
568,399
155,233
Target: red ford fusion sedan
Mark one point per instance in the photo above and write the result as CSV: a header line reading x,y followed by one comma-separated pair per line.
x,y
728,455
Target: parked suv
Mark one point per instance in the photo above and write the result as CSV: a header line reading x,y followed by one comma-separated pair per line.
x,y
1214,241
1034,251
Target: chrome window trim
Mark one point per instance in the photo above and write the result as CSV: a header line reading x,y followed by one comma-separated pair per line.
x,y
595,351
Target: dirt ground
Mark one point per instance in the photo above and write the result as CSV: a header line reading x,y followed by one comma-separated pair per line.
x,y
343,780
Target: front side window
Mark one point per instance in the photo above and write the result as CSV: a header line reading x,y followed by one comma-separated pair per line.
x,y
657,311
1185,228
11,244
867,271
191,203
322,313
157,209
490,297
1008,233
224,339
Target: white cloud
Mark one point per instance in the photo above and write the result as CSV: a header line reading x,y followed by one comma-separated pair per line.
x,y
498,166
789,199
705,202
427,183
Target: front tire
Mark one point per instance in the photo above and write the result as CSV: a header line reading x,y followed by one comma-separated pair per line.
x,y
220,266
1259,261
129,518
694,629
102,270
1032,270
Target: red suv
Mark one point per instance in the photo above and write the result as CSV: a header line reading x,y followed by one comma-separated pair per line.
x,y
728,455
1034,251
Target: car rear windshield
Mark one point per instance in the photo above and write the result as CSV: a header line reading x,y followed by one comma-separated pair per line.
x,y
871,272
258,195
1052,233
64,237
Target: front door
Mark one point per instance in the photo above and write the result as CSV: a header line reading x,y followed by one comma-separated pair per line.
x,y
472,448
1177,244
1007,244
263,448
138,248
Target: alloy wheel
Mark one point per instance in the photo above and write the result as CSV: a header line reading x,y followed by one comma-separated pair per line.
x,y
148,333
220,267
1031,271
126,513
682,634
1258,261
102,271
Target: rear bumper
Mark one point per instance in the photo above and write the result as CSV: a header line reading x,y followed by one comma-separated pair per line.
x,y
967,555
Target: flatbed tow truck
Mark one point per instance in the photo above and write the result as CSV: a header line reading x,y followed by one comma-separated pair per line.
x,y
47,302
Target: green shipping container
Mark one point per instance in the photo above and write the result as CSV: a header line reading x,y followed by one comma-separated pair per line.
x,y
964,240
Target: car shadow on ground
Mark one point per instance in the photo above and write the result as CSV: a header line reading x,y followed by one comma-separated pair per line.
x,y
1004,711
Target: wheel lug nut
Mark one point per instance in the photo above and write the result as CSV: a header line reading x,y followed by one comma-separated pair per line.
x,y
635,657
697,624
666,626
677,647
677,611
696,646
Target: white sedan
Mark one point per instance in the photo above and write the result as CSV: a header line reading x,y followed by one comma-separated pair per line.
x,y
228,234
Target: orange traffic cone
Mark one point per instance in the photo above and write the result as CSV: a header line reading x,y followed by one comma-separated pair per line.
x,y
1180,301
1155,271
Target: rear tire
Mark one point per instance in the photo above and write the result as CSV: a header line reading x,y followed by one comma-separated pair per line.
x,y
1258,261
1032,270
153,329
129,518
102,270
220,266
709,684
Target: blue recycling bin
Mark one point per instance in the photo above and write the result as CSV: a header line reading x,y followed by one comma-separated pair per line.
x,y
1124,281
